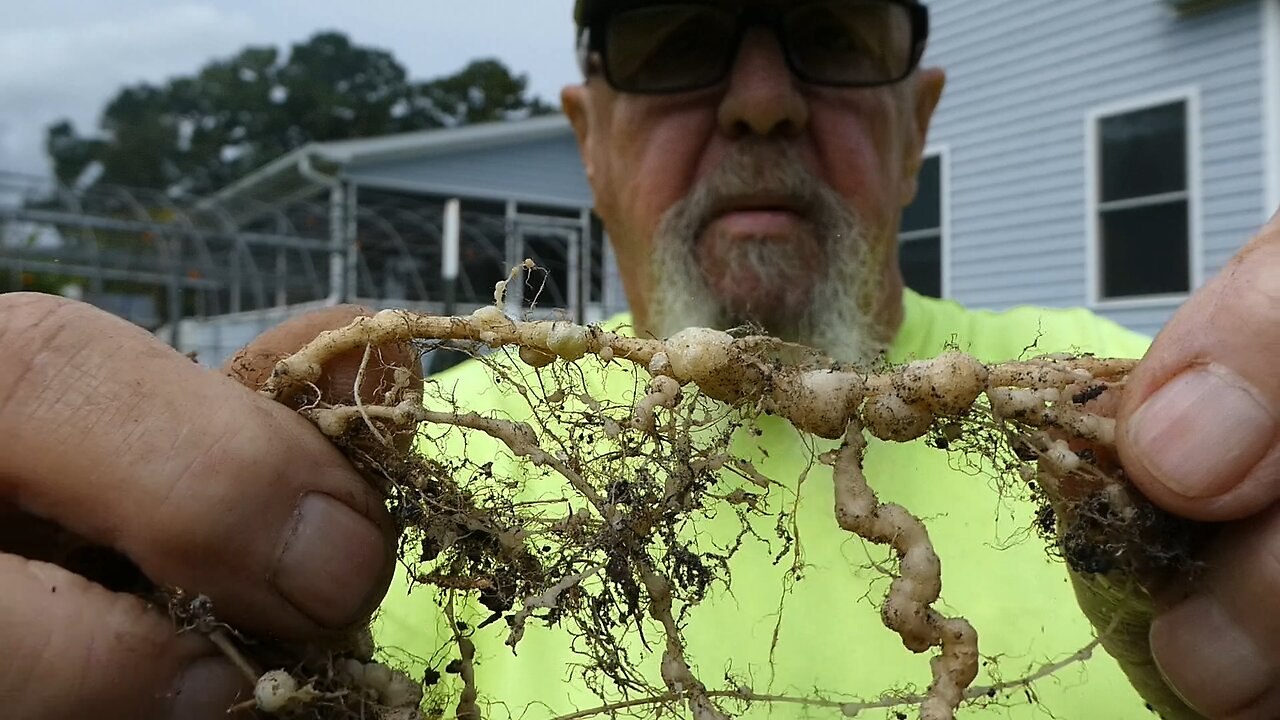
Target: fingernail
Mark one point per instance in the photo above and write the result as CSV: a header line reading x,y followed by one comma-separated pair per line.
x,y
331,561
1202,432
207,688
1207,659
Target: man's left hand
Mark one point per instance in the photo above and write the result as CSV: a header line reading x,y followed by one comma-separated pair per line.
x,y
1199,434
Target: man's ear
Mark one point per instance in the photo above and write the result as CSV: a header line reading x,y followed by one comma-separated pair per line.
x,y
926,92
574,99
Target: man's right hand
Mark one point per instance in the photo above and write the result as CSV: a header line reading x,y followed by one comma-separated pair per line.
x,y
112,441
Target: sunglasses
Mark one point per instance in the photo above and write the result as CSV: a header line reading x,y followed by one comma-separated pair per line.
x,y
657,48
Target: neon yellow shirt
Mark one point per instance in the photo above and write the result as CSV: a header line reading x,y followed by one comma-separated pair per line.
x,y
830,641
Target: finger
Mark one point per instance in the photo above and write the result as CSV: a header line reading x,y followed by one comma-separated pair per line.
x,y
1220,648
66,641
202,483
253,365
1200,423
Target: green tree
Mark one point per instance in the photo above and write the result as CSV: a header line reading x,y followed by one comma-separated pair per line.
x,y
484,91
195,134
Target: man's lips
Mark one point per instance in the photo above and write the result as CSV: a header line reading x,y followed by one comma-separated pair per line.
x,y
758,223
757,217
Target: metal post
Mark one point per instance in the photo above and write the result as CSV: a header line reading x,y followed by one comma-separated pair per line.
x,y
515,256
511,252
282,278
337,245
450,241
351,239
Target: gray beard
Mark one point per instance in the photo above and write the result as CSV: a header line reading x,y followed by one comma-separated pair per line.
x,y
834,312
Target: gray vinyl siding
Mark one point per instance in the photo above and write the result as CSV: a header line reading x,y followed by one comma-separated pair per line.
x,y
546,171
1023,75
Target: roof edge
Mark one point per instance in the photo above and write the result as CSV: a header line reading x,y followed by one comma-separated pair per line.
x,y
341,153
427,142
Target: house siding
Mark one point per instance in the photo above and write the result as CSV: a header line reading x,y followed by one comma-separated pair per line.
x,y
1023,76
547,171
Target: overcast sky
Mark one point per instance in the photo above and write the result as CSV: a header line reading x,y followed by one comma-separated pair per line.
x,y
66,58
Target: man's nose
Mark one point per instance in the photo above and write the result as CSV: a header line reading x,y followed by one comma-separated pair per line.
x,y
763,97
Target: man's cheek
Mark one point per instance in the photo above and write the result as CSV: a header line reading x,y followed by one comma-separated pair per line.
x,y
866,170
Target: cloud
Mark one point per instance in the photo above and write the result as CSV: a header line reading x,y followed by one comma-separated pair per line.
x,y
73,68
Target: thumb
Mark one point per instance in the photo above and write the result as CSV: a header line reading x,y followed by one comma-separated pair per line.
x,y
1199,428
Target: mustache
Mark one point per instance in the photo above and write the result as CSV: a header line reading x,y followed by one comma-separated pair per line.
x,y
757,173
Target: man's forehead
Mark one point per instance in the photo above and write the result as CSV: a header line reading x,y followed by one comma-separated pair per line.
x,y
584,11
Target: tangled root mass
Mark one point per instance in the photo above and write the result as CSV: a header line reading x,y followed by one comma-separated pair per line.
x,y
610,549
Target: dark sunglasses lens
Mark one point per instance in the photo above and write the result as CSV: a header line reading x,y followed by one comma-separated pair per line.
x,y
851,42
667,48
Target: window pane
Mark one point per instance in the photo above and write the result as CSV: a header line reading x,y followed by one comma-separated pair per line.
x,y
1145,251
921,262
925,212
1144,152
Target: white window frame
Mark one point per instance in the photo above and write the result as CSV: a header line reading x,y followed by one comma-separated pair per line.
x,y
1093,206
1271,106
943,153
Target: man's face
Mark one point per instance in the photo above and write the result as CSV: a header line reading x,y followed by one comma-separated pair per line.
x,y
764,200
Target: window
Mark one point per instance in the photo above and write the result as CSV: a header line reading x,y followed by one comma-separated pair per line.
x,y
920,238
1143,198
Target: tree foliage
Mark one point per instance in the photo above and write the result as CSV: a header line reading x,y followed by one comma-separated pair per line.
x,y
197,133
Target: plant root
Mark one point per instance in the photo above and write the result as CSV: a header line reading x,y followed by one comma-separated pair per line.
x,y
611,551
